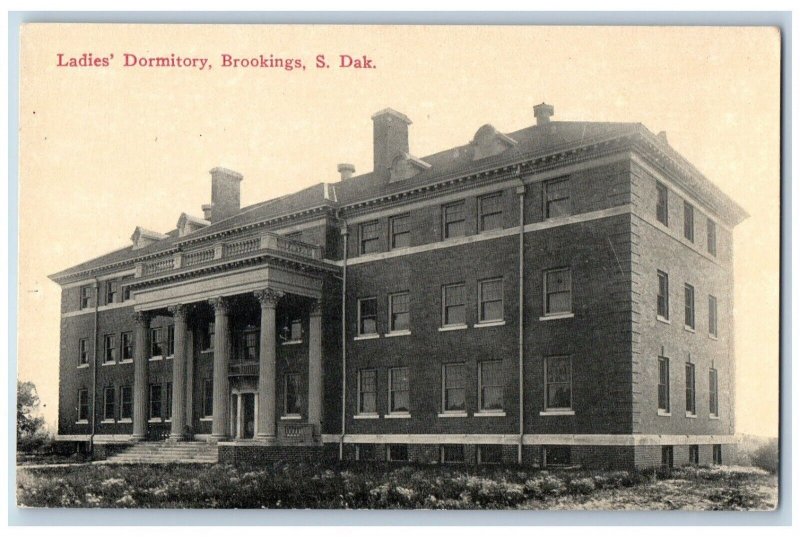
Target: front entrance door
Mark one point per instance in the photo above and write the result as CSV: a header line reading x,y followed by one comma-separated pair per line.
x,y
248,415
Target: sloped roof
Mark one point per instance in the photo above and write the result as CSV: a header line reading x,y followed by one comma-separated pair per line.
x,y
533,141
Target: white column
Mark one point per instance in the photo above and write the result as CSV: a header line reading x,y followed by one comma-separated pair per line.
x,y
266,368
177,430
219,425
315,367
140,359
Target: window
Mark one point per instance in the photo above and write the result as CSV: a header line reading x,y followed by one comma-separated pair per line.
x,y
490,454
110,349
690,392
399,315
83,405
453,388
397,452
556,456
694,454
155,401
370,237
556,198
490,212
711,237
86,297
208,398
662,205
125,403
716,451
400,231
713,394
295,330
712,315
248,346
688,221
108,403
367,316
452,453
490,297
127,346
208,343
126,293
663,384
662,302
171,340
558,382
557,291
490,385
398,390
454,309
83,351
292,403
688,293
367,391
454,221
365,452
156,344
112,291
666,456
168,402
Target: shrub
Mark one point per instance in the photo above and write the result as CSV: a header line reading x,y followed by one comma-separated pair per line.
x,y
766,456
582,485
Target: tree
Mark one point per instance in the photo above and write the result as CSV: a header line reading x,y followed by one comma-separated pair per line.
x,y
28,425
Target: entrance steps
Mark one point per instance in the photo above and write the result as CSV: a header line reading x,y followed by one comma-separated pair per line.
x,y
166,452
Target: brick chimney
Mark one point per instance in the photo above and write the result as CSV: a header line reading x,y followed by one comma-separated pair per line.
x,y
389,137
543,112
346,170
225,194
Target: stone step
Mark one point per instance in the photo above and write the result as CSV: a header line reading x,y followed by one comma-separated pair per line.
x,y
163,452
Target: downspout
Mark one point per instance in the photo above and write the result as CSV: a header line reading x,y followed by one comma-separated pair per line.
x,y
521,342
94,363
344,339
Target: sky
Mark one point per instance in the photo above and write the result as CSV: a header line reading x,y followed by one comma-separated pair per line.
x,y
105,149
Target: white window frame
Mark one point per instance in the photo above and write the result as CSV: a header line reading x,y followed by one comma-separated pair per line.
x,y
693,309
367,335
713,315
663,411
690,413
286,413
445,324
481,200
112,347
558,410
455,412
361,372
546,187
85,393
660,273
661,187
106,417
83,347
392,221
403,331
124,419
547,314
481,409
490,322
393,412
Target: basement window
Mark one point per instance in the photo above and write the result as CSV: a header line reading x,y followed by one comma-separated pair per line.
x,y
556,456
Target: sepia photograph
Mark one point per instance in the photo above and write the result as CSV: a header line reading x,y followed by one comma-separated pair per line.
x,y
398,267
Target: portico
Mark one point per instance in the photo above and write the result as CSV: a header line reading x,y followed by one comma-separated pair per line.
x,y
241,321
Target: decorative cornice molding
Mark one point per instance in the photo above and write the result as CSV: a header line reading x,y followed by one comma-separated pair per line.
x,y
268,298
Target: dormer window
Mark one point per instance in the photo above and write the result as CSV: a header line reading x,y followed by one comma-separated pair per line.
x,y
405,166
488,142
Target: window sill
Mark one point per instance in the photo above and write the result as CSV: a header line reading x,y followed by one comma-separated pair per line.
x,y
398,333
489,414
125,420
155,358
207,418
557,413
399,415
691,415
366,336
453,415
664,413
689,329
83,366
154,420
451,327
556,316
366,417
168,420
487,324
108,421
664,320
109,363
293,342
82,422
715,338
126,361
170,357
713,417
206,351
291,417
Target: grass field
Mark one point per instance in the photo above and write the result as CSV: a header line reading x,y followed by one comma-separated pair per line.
x,y
381,486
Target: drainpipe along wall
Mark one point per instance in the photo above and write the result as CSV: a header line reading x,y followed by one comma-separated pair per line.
x,y
521,313
344,338
94,363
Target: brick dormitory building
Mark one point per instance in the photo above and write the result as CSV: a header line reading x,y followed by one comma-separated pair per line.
x,y
559,295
